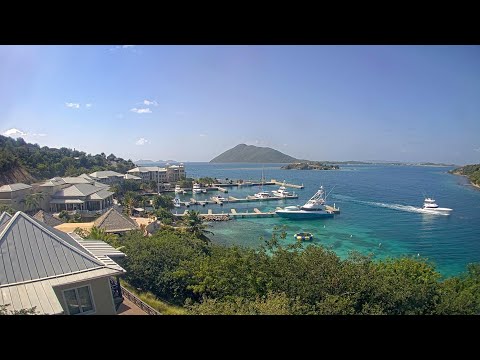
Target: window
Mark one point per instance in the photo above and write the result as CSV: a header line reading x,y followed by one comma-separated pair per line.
x,y
79,300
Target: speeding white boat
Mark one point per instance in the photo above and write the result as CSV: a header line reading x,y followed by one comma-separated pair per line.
x,y
430,205
313,208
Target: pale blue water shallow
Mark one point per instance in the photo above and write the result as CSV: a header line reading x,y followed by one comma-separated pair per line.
x,y
379,207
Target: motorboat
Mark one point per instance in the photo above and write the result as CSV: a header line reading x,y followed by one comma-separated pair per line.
x,y
196,188
312,209
178,189
262,195
281,192
176,202
303,236
430,205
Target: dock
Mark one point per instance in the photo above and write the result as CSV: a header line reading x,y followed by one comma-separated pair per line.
x,y
287,185
332,209
233,214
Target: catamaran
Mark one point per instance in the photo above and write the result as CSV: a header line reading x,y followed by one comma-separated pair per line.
x,y
312,209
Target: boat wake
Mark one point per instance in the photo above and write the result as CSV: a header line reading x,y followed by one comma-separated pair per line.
x,y
399,207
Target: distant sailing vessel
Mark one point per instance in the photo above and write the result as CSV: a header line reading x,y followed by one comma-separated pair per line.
x,y
430,205
313,208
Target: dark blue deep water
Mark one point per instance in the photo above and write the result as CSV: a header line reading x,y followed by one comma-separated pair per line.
x,y
379,207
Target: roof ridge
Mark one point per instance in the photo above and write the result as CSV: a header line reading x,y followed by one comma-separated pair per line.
x,y
43,228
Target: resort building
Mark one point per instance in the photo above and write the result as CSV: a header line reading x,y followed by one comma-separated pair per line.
x,y
13,195
54,272
170,173
132,177
115,222
107,177
82,198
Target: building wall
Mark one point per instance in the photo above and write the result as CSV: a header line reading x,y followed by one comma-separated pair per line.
x,y
15,199
101,294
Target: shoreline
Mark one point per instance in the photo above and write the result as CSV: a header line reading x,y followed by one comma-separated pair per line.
x,y
470,181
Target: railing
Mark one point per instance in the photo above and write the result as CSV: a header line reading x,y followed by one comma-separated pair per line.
x,y
142,305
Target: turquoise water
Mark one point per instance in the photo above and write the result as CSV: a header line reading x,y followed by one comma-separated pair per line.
x,y
379,207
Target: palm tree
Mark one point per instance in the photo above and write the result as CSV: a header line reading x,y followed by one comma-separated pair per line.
x,y
32,201
100,234
130,201
196,225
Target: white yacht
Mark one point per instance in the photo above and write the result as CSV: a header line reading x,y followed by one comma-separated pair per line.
x,y
196,188
282,191
176,202
178,189
430,205
262,195
313,208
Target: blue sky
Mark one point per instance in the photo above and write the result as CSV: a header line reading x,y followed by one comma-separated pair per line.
x,y
190,103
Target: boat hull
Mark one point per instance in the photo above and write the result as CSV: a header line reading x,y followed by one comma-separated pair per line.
x,y
303,214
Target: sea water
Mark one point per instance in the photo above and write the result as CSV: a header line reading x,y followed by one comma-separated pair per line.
x,y
380,211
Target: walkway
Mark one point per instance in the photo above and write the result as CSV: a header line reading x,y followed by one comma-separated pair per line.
x,y
129,308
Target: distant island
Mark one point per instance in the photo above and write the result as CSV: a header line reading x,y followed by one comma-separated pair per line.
x,y
252,154
472,172
309,165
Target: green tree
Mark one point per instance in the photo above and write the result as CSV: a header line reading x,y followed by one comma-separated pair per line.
x,y
7,209
27,311
32,201
162,201
130,201
195,224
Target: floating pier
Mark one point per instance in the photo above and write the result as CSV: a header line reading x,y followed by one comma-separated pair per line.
x,y
233,214
332,209
286,185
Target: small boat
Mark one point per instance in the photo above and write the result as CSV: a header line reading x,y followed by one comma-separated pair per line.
x,y
312,209
430,206
176,202
178,189
262,195
303,236
196,188
282,191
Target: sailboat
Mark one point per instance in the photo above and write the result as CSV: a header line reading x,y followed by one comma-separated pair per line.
x,y
262,194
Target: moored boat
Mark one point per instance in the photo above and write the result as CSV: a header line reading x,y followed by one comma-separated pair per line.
x,y
312,209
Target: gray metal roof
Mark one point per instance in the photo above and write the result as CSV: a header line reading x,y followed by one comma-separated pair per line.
x,y
31,250
47,218
114,221
77,190
105,174
146,169
85,176
14,187
100,195
77,180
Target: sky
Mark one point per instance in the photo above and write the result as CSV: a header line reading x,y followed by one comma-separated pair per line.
x,y
191,103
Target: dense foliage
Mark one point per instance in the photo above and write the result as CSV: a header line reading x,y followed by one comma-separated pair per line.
x,y
27,311
45,162
212,279
471,171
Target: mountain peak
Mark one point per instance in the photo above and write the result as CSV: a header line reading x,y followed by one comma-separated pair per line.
x,y
254,154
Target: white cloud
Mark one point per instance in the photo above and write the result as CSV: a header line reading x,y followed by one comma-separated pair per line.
x,y
123,47
127,46
88,105
477,149
141,141
72,105
285,144
148,102
141,111
14,133
203,135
